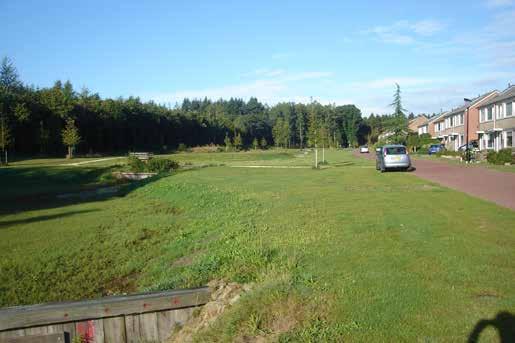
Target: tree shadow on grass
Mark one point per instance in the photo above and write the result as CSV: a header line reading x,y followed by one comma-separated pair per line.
x,y
71,193
504,323
9,223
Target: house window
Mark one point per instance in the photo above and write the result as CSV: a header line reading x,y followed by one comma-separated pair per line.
x,y
461,119
509,139
489,116
490,141
482,114
509,109
451,121
498,111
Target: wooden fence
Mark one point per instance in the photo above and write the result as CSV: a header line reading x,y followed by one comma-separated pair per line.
x,y
146,317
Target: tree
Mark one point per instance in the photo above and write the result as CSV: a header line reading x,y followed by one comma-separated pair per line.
x,y
313,131
324,139
263,143
70,136
255,143
397,103
227,142
9,79
5,137
301,125
237,141
21,113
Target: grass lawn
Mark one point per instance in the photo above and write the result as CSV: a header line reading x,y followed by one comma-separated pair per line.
x,y
340,253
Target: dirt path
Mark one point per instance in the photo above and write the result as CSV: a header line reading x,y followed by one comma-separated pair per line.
x,y
91,161
477,181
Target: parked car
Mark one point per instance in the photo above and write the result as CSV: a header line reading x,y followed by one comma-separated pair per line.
x,y
473,146
392,157
363,149
435,148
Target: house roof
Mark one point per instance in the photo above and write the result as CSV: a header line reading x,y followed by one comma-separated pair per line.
x,y
460,109
438,116
506,94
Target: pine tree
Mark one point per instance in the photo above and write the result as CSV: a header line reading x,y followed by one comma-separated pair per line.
x,y
5,137
397,103
70,136
9,79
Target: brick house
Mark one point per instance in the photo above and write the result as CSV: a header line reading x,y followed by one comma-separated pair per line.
x,y
455,126
417,122
496,126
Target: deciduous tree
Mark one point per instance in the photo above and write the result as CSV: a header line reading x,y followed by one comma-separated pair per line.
x,y
70,136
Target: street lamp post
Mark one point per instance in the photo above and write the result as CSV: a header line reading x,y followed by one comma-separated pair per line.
x,y
467,148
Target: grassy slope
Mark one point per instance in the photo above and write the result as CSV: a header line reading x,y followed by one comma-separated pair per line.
x,y
360,254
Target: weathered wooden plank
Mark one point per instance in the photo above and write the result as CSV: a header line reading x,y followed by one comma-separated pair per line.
x,y
69,328
182,315
148,327
98,337
54,313
11,333
132,328
114,330
44,338
37,330
165,324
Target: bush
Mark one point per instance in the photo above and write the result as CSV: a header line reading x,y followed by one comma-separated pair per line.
x,y
161,165
423,151
154,165
182,147
136,165
501,157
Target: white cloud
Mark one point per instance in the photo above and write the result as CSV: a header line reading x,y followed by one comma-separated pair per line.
x,y
406,32
499,3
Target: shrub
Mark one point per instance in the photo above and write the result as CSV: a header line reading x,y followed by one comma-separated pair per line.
x,y
136,165
423,151
182,147
501,157
206,148
161,165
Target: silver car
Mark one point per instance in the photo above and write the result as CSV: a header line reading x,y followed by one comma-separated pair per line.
x,y
392,157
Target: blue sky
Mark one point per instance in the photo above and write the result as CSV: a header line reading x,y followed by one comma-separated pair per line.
x,y
332,51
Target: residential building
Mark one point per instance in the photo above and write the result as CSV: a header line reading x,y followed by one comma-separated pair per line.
x,y
436,125
415,123
457,126
497,121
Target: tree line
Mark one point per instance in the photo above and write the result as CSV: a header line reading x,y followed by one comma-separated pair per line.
x,y
48,120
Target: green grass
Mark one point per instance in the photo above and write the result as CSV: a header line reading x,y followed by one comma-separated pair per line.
x,y
339,253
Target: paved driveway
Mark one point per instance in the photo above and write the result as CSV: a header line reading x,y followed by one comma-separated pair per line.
x,y
484,183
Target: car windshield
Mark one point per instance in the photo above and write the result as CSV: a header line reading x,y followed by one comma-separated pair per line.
x,y
398,150
435,146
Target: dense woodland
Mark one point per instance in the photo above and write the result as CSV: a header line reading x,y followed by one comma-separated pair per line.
x,y
33,120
